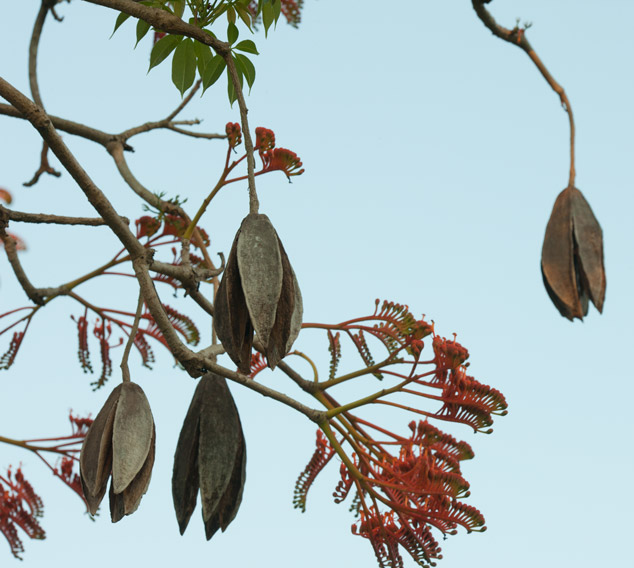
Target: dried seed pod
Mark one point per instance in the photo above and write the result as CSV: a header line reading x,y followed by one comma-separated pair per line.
x,y
210,456
258,292
572,256
120,441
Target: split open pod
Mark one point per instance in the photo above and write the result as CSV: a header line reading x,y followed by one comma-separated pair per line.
x,y
211,457
120,442
258,292
572,256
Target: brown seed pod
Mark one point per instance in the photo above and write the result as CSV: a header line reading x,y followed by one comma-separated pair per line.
x,y
210,456
258,292
572,256
120,442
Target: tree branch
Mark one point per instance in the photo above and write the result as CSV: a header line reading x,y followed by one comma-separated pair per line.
x,y
68,126
517,36
41,122
185,101
22,217
166,22
36,295
254,204
33,49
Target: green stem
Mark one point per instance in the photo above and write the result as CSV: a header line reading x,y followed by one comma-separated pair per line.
x,y
365,371
204,205
74,283
325,427
368,399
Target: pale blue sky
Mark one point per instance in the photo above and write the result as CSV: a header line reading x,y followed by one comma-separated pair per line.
x,y
433,155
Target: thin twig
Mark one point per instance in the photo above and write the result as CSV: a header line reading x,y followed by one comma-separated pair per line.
x,y
205,135
43,168
115,149
517,36
21,216
125,371
33,49
185,101
69,126
10,249
254,204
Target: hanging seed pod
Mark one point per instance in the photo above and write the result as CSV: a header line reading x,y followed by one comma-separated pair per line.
x,y
258,292
210,456
120,442
572,256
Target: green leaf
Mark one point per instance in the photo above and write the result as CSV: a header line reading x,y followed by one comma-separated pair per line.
x,y
246,67
268,15
248,46
219,12
142,28
184,65
203,56
232,33
231,15
230,88
178,7
120,19
213,70
277,9
245,15
163,48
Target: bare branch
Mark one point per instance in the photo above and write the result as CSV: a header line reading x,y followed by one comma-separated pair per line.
x,y
45,168
20,216
517,36
68,126
254,204
34,294
307,386
312,414
41,122
33,49
208,136
115,149
185,101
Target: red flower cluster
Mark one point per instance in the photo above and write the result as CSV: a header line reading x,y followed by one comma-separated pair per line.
x,y
276,158
283,160
404,487
264,139
146,226
234,134
20,507
273,159
400,498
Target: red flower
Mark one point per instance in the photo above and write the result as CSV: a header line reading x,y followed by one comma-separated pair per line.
x,y
234,134
174,225
283,160
20,507
146,226
264,139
